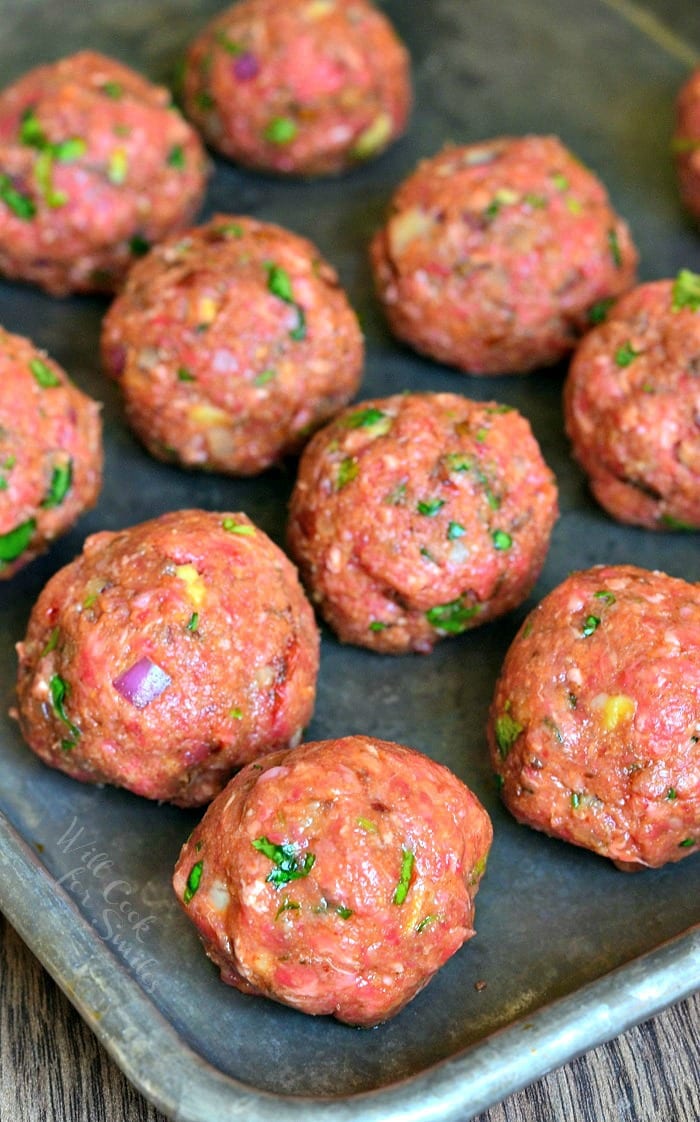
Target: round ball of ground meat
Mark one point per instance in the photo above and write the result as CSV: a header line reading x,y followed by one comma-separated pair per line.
x,y
418,516
306,87
95,164
632,406
231,344
595,723
686,143
167,655
50,452
337,878
493,255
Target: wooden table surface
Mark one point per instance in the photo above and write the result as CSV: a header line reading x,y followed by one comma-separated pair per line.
x,y
53,1069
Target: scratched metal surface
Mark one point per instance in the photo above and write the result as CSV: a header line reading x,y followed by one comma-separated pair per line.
x,y
84,872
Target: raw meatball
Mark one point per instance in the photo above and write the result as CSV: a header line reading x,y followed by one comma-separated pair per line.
x,y
167,655
494,253
231,344
686,143
418,516
595,724
336,878
95,163
50,452
632,406
304,87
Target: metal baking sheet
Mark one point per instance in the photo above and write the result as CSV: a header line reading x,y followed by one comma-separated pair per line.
x,y
570,950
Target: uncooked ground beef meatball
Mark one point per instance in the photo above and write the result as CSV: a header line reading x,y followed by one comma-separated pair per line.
x,y
304,87
232,344
167,655
493,254
686,143
417,516
595,722
95,164
632,406
336,878
50,452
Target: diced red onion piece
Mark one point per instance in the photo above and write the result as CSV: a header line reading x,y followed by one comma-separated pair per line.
x,y
142,683
246,67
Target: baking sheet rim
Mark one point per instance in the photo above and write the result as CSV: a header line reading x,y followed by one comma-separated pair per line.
x,y
147,1048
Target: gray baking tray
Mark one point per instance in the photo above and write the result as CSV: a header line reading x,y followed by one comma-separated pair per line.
x,y
570,950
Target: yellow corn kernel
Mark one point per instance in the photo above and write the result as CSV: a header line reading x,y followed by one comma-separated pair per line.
x,y
196,589
207,308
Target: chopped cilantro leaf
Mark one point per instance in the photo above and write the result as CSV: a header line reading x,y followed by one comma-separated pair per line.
x,y
15,541
598,311
185,375
686,291
285,860
404,882
455,530
348,470
280,130
507,730
590,624
193,881
279,283
59,692
45,376
60,484
369,418
20,205
453,617
430,507
242,528
626,354
501,539
112,89
176,157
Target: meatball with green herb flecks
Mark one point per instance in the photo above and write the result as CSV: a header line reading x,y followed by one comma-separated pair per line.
x,y
303,87
594,726
167,655
95,165
337,878
50,452
231,344
632,406
419,516
495,254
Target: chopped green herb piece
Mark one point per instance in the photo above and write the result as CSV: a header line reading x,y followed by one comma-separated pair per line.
x,y
347,471
280,130
626,354
367,825
176,157
231,46
343,911
598,311
672,523
425,922
535,201
396,497
686,843
117,167
671,794
378,625
236,714
453,617
204,100
501,539
185,375
285,860
20,205
299,330
30,131
575,800
59,692
112,89
370,418
560,181
67,151
603,594
45,376
43,173
51,642
404,883
499,782
686,291
430,508
193,881
481,434
425,552
590,624
241,528
264,377
457,462
139,246
573,205
279,283
14,542
507,730
193,622
614,247
60,484
455,530
230,230
287,906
